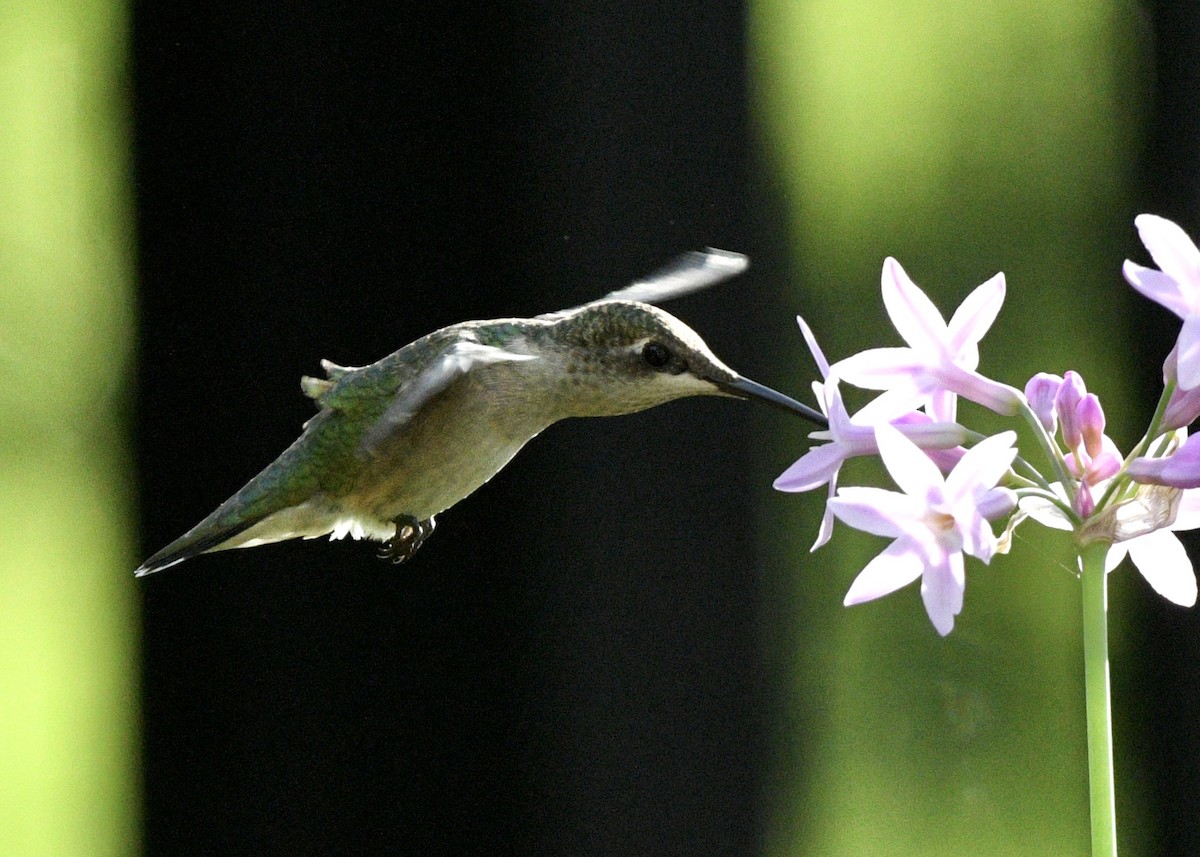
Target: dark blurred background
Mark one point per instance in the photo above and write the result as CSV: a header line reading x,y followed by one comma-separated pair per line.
x,y
620,645
571,665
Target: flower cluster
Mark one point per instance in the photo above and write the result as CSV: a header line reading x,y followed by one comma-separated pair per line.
x,y
954,484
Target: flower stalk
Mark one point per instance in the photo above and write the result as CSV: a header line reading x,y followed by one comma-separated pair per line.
x,y
1094,586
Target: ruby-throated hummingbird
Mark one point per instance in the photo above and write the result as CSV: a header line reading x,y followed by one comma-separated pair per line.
x,y
399,441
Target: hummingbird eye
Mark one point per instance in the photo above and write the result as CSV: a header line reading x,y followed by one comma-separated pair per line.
x,y
656,355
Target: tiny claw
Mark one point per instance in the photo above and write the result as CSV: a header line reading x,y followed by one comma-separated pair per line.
x,y
410,535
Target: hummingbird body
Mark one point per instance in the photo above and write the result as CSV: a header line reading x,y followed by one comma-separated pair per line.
x,y
401,440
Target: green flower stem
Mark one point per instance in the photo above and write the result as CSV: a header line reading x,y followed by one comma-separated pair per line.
x,y
1099,708
1152,433
1050,450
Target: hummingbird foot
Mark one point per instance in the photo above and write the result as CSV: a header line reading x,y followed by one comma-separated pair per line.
x,y
410,535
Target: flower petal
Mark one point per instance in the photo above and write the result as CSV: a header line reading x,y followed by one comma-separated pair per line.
x,y
977,388
1182,409
880,368
825,531
972,320
1116,553
911,469
876,511
943,406
1188,356
835,408
982,467
912,312
813,348
1158,287
1161,559
813,469
942,591
1106,465
1174,253
978,540
1187,513
898,565
1180,470
996,503
903,398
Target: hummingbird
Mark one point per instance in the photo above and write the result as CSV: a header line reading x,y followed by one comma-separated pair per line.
x,y
399,441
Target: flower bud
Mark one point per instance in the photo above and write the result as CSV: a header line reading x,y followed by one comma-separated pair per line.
x,y
1085,503
1066,403
1040,392
1091,424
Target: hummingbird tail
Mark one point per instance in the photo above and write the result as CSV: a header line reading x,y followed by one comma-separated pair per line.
x,y
230,527
205,536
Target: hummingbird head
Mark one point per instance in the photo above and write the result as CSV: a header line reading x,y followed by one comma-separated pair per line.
x,y
624,356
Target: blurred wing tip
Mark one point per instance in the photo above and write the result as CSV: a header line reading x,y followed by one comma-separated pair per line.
x,y
690,272
727,260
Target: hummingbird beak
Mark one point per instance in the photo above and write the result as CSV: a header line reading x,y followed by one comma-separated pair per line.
x,y
744,388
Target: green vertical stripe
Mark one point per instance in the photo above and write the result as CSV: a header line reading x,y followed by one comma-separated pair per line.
x,y
68,697
964,139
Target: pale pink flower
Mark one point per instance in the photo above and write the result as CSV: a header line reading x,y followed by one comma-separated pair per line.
x,y
940,361
935,521
1175,285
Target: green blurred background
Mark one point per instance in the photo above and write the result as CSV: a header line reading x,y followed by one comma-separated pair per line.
x,y
691,685
964,139
69,717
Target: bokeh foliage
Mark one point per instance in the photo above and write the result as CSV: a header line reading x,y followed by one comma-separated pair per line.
x,y
68,703
962,139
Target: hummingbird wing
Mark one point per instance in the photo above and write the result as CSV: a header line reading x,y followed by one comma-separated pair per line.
x,y
456,361
690,272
